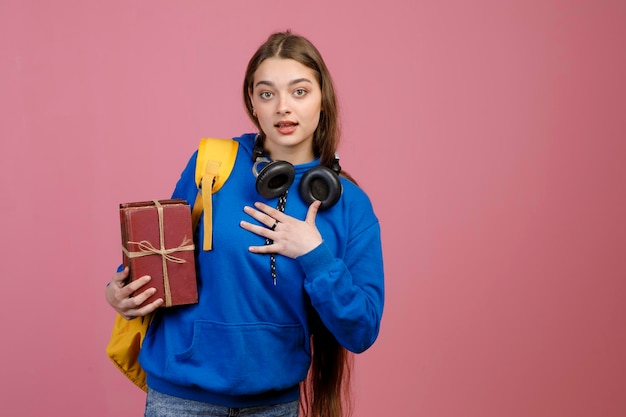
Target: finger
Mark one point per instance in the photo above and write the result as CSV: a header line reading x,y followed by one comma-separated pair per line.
x,y
119,278
265,249
271,212
257,215
312,212
149,308
143,311
261,217
138,299
134,285
256,229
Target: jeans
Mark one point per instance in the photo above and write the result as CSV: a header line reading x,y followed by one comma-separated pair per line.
x,y
163,405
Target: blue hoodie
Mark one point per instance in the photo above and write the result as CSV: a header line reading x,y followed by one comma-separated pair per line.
x,y
246,342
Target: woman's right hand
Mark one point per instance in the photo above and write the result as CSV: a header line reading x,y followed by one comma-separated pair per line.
x,y
119,295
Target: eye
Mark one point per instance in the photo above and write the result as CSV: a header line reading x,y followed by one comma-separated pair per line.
x,y
299,92
265,94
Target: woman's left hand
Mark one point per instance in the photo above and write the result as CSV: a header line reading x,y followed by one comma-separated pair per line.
x,y
291,237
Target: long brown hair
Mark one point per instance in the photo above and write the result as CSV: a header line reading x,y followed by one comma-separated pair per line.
x,y
326,390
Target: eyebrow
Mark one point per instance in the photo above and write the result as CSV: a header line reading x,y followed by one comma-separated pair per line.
x,y
292,82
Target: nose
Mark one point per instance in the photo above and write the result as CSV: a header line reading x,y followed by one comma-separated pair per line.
x,y
283,105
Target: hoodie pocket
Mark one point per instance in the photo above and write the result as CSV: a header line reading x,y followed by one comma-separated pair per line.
x,y
242,359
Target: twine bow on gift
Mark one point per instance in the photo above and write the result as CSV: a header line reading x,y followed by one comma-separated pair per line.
x,y
146,248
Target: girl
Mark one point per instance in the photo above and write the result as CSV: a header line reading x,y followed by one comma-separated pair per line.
x,y
295,280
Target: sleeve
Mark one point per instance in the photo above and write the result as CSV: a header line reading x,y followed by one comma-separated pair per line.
x,y
348,293
186,185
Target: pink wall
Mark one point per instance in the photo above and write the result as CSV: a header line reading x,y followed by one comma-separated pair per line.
x,y
489,134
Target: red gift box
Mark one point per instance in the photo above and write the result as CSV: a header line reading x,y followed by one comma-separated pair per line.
x,y
157,240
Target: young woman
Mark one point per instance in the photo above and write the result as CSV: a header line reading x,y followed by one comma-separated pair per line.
x,y
295,278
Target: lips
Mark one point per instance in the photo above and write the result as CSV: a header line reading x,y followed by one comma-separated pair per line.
x,y
286,127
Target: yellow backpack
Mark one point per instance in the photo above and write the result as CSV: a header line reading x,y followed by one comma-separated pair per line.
x,y
216,159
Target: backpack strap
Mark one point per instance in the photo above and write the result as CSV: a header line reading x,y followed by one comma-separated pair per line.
x,y
216,159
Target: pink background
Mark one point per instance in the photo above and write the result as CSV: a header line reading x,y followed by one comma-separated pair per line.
x,y
489,134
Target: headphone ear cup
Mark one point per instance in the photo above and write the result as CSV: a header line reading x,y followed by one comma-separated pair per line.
x,y
321,184
275,178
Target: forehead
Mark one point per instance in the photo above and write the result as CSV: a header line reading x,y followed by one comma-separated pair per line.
x,y
282,71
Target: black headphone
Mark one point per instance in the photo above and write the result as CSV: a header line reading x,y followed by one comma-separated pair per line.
x,y
318,184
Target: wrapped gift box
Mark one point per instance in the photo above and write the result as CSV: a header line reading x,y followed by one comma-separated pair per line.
x,y
157,240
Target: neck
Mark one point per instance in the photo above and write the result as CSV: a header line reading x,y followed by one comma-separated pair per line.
x,y
295,155
294,158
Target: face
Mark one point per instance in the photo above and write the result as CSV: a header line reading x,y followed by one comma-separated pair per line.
x,y
287,100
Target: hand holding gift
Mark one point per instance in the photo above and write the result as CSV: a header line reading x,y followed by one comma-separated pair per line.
x,y
119,295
